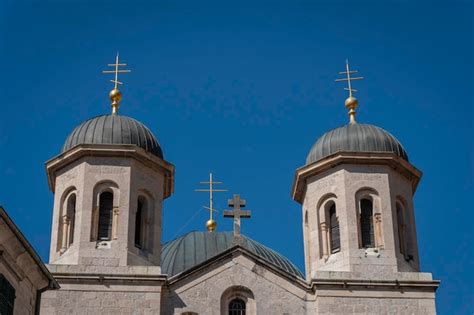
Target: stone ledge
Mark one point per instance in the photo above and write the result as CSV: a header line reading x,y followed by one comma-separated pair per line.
x,y
346,275
337,280
105,270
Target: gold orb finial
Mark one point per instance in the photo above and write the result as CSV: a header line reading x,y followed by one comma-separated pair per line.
x,y
115,95
351,102
211,225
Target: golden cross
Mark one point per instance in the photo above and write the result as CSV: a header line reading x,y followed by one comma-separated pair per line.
x,y
116,71
349,79
211,224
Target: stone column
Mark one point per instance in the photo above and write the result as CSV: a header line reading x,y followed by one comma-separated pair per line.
x,y
115,223
324,240
145,236
378,230
70,230
95,223
65,236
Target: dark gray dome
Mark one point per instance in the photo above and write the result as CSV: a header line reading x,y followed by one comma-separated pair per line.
x,y
194,248
355,138
113,129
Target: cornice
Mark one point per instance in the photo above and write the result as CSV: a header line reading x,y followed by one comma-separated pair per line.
x,y
352,158
111,150
98,278
318,283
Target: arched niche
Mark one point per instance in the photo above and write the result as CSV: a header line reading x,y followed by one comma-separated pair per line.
x,y
404,229
143,220
326,206
104,190
369,218
66,219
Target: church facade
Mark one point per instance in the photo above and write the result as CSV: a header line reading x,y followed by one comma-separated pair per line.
x,y
356,194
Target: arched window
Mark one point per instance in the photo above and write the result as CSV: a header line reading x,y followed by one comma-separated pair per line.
x,y
67,221
334,230
366,224
71,216
238,300
106,201
139,221
237,307
401,229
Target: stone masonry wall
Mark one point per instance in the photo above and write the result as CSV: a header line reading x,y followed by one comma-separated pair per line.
x,y
103,300
342,185
93,289
372,305
203,293
128,179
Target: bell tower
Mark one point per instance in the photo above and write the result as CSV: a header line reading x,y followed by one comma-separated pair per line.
x,y
356,192
109,183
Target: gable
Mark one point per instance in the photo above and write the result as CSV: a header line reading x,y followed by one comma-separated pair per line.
x,y
204,290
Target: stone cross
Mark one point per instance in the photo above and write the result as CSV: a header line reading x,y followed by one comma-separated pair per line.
x,y
236,203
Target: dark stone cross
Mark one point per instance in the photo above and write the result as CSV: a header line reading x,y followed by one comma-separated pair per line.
x,y
236,203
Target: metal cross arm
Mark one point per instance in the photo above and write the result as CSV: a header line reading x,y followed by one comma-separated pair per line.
x,y
349,79
116,71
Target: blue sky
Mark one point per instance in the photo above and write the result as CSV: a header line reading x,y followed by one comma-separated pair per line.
x,y
244,90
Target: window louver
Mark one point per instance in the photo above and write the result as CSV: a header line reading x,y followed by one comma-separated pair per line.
x,y
334,230
105,216
401,230
138,225
366,223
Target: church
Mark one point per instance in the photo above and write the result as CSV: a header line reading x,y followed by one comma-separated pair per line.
x,y
107,255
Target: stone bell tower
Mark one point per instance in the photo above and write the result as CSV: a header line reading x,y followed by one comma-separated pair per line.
x,y
109,183
356,192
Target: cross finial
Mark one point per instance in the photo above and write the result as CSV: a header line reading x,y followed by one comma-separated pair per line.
x,y
351,102
236,203
115,95
211,224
